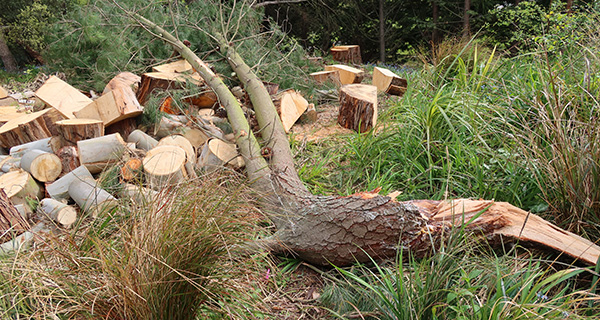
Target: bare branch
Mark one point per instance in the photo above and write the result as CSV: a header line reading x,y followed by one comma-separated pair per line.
x,y
267,3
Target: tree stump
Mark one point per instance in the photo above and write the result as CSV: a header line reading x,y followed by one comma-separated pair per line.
x,y
98,153
290,105
348,75
90,197
58,211
19,185
179,66
29,127
358,107
346,54
73,130
11,221
43,166
165,165
388,82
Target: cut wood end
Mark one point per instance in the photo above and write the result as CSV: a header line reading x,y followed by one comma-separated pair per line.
x,y
131,169
164,160
46,167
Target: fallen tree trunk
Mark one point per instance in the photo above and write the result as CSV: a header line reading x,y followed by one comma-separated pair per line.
x,y
327,229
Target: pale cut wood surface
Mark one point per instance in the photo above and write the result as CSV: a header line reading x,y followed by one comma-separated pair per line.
x,y
217,153
179,66
20,185
58,211
324,76
165,165
43,166
62,96
290,106
388,82
183,143
348,74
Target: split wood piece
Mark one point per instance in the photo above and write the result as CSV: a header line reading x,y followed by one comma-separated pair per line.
x,y
167,126
388,82
123,127
113,106
346,54
62,97
3,93
290,106
51,144
138,194
183,143
325,76
10,163
123,80
179,66
58,211
142,140
509,222
165,165
163,81
205,99
131,170
98,153
90,197
358,107
19,186
69,158
59,189
9,112
348,75
29,127
73,130
11,221
217,153
195,136
24,239
43,166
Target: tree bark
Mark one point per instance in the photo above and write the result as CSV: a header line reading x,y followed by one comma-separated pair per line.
x,y
467,19
10,64
328,229
382,31
436,15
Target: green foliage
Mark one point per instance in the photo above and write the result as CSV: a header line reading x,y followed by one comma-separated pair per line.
x,y
514,27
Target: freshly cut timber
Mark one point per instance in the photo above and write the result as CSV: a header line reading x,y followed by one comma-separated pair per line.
x,y
62,97
131,169
11,221
30,127
73,130
138,194
324,76
19,185
388,82
179,66
195,136
43,166
123,127
69,158
290,106
217,153
122,80
113,106
347,54
98,153
8,113
142,140
358,107
90,197
58,211
183,143
348,74
165,165
163,81
59,189
51,144
8,163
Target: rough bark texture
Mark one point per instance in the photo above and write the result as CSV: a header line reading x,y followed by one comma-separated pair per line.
x,y
11,222
30,127
347,54
358,107
10,64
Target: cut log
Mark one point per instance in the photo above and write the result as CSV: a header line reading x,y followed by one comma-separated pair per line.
x,y
131,170
290,106
43,166
217,153
9,112
29,127
142,140
114,106
195,136
138,194
73,130
90,197
205,99
179,66
98,153
347,54
183,143
11,221
123,127
348,75
123,80
62,97
165,165
358,107
58,211
388,82
9,163
59,189
325,76
51,144
19,186
163,81
69,158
